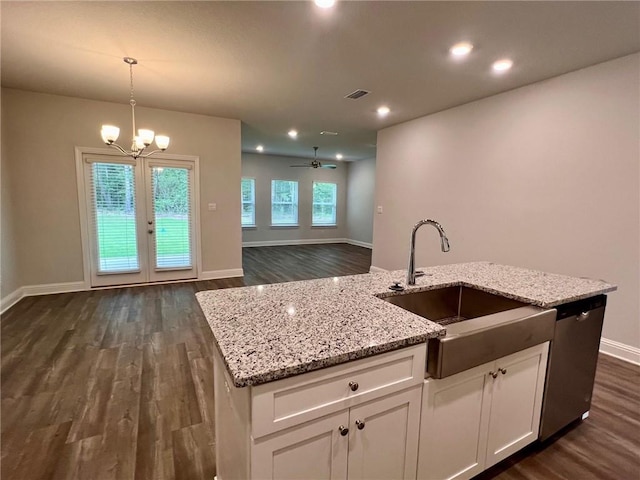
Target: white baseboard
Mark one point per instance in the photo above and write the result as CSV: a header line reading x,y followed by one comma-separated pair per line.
x,y
10,300
374,269
306,241
620,350
302,241
358,243
216,274
44,289
49,288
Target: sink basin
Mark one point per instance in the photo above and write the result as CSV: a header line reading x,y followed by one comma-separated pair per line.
x,y
481,326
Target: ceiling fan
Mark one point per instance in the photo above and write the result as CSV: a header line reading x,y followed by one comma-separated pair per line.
x,y
315,163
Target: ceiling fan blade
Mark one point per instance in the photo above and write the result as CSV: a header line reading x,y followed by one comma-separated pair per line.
x,y
329,166
302,166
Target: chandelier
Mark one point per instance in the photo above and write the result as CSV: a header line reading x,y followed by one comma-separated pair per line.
x,y
144,138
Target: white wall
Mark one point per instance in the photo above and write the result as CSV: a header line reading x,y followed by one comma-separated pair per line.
x,y
264,168
544,177
361,180
39,135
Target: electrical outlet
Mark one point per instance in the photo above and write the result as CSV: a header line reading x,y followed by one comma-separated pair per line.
x,y
379,208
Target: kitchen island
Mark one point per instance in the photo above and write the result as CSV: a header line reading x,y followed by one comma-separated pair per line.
x,y
316,355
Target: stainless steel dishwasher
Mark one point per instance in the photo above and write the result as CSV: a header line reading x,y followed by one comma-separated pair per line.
x,y
571,370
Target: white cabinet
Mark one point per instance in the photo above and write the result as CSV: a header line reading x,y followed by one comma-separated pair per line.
x,y
314,450
358,420
376,440
383,437
474,419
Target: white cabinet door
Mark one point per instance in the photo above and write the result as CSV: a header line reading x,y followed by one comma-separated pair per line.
x,y
315,450
453,426
383,437
472,420
516,400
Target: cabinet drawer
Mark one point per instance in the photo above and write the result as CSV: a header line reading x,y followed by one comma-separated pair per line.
x,y
298,399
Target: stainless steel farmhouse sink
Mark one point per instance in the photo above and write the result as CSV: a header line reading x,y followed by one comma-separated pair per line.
x,y
481,326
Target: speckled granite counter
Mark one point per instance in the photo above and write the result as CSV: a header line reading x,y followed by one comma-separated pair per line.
x,y
270,332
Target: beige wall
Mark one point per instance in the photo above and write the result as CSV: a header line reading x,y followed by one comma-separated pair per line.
x,y
39,135
361,182
545,177
265,168
9,272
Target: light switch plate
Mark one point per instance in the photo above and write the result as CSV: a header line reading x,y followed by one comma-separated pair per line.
x,y
213,206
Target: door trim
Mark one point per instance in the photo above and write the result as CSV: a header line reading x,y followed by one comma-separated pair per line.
x,y
79,153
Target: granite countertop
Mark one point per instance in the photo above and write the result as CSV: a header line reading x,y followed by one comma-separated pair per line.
x,y
268,332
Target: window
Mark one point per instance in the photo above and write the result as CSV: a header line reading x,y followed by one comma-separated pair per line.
x,y
284,202
248,202
324,204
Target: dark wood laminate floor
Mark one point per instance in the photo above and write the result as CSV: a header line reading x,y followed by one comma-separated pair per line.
x,y
117,384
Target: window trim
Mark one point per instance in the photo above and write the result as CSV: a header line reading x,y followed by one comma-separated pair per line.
x,y
296,204
253,202
335,207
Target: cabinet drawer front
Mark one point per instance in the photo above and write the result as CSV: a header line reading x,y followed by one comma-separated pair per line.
x,y
291,401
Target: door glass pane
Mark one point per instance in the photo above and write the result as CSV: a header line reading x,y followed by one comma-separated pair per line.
x,y
114,210
172,216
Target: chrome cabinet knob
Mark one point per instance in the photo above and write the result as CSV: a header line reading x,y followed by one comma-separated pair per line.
x,y
344,431
493,374
360,424
502,370
353,386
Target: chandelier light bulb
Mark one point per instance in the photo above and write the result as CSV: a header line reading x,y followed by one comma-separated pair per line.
x,y
139,144
162,141
146,136
109,133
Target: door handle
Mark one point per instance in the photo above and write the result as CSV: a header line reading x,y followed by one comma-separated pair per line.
x,y
583,316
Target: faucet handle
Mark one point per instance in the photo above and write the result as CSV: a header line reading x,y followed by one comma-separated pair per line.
x,y
396,287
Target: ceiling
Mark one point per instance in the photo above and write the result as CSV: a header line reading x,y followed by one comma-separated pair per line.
x,y
282,65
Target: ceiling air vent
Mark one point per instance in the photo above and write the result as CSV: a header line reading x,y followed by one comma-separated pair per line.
x,y
357,94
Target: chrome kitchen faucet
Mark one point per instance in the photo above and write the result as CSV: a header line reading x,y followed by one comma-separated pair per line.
x,y
444,244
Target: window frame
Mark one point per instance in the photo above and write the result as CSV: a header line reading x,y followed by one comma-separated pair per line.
x,y
334,205
294,203
253,202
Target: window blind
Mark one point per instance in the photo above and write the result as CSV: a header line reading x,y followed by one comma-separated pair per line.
x,y
324,203
284,202
113,214
248,197
172,214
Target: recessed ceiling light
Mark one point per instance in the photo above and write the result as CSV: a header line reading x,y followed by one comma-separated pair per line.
x,y
293,133
260,148
502,65
324,3
461,49
339,156
383,111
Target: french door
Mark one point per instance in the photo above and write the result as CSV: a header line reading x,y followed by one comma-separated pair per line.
x,y
140,219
